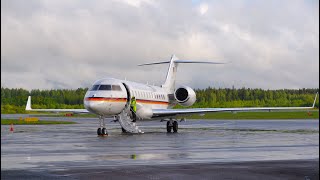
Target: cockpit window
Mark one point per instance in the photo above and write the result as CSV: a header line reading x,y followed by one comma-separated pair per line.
x,y
94,88
116,88
105,87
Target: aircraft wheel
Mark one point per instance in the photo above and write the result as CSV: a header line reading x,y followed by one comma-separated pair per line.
x,y
169,127
175,126
99,131
104,131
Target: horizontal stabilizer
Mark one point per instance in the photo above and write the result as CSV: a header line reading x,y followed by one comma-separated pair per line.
x,y
200,62
183,61
164,62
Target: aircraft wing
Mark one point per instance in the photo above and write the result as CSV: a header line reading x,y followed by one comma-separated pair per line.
x,y
28,108
175,112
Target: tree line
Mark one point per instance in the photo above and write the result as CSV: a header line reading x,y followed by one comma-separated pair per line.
x,y
13,100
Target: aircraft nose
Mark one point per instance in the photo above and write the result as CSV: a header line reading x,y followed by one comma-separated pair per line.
x,y
90,105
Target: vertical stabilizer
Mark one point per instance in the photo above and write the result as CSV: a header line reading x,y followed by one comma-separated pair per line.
x,y
169,84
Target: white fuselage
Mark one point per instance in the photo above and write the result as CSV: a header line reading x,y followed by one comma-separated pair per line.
x,y
108,97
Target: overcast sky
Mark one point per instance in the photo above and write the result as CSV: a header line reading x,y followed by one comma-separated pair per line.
x,y
69,44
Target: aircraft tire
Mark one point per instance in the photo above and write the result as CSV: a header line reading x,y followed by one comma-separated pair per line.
x,y
175,126
104,131
169,127
99,131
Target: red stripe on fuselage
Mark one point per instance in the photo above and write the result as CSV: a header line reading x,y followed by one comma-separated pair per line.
x,y
143,101
106,99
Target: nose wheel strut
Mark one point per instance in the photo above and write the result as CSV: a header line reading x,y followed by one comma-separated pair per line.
x,y
102,131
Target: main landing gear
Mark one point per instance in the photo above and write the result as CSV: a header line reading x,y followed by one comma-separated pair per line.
x,y
172,125
102,131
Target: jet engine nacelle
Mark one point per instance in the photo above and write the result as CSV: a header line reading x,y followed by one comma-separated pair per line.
x,y
185,96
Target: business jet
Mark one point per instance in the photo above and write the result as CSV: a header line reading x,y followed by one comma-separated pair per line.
x,y
111,97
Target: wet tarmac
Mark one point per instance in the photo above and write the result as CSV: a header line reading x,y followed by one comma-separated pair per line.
x,y
66,149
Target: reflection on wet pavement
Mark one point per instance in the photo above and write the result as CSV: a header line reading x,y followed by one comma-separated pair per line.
x,y
76,145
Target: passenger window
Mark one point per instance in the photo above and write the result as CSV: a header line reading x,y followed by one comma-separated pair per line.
x,y
105,87
94,88
116,88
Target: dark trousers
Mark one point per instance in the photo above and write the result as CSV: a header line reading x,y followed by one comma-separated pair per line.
x,y
134,116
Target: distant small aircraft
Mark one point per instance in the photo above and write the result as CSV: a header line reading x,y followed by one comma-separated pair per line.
x,y
111,97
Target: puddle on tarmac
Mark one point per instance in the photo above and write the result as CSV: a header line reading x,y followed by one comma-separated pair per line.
x,y
57,146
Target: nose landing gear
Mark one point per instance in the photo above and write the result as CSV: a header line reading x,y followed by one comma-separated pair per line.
x,y
102,131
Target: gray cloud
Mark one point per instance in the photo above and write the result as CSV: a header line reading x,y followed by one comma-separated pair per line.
x,y
69,44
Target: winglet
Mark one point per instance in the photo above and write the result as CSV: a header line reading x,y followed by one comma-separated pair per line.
x,y
315,99
28,106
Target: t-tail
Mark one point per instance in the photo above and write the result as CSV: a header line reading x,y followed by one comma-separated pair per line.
x,y
169,83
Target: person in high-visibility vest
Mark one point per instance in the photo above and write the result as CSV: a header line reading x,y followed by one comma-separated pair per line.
x,y
133,108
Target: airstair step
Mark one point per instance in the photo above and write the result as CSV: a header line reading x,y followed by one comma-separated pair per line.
x,y
126,122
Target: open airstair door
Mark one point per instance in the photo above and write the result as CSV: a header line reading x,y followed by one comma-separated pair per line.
x,y
124,117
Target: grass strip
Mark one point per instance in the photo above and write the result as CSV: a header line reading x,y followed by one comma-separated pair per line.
x,y
40,122
259,115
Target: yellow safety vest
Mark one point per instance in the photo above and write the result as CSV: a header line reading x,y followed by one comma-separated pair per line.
x,y
134,105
